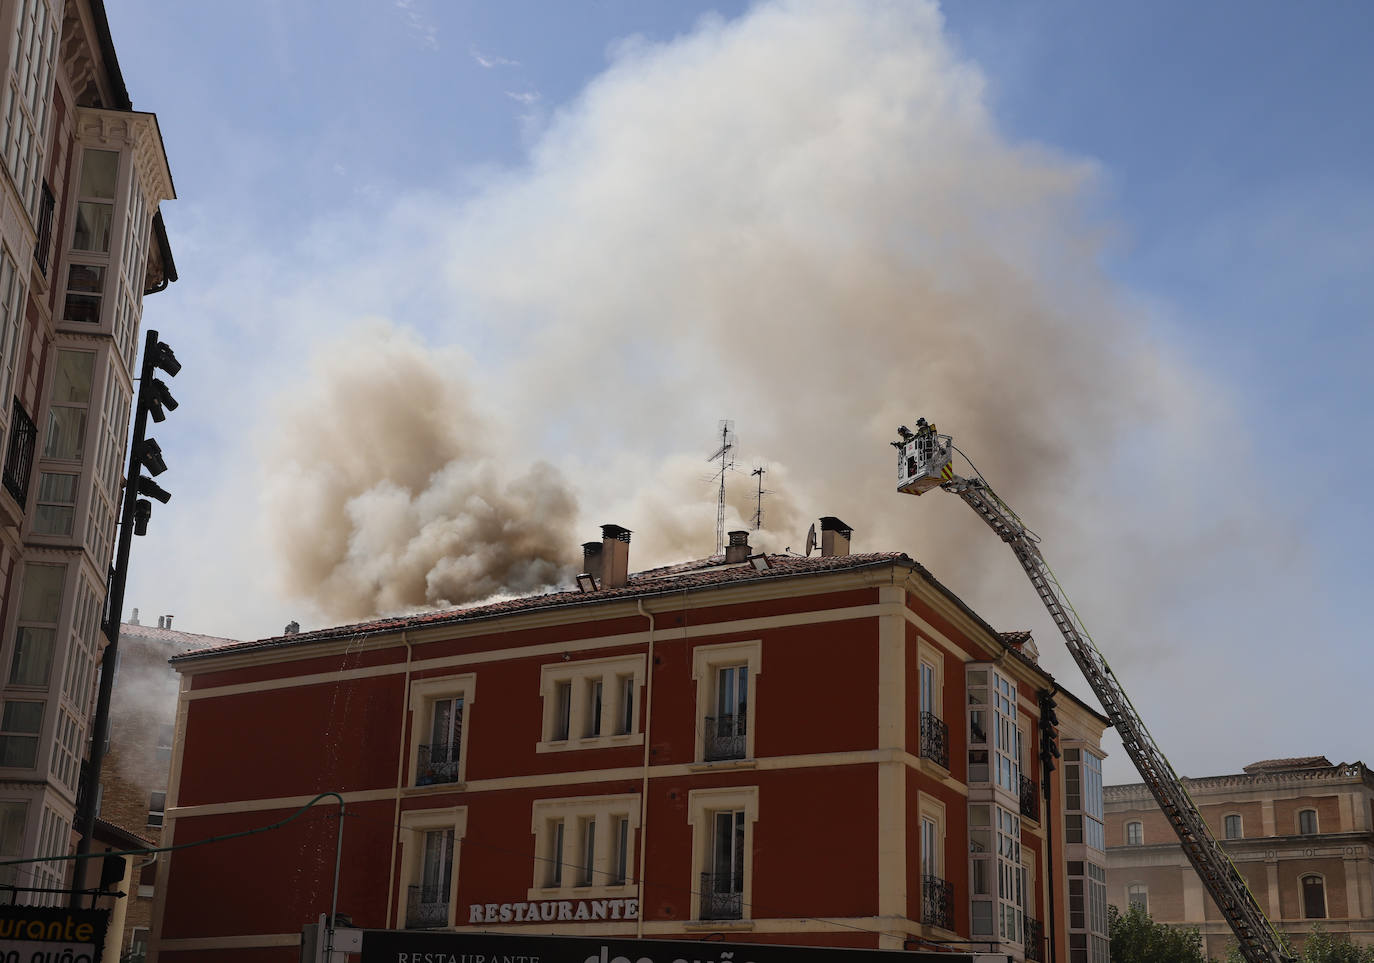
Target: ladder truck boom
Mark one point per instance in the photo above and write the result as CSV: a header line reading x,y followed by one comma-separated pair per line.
x,y
924,462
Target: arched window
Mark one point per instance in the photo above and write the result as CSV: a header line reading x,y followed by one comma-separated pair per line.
x,y
1307,822
1135,834
1233,826
1138,894
1313,898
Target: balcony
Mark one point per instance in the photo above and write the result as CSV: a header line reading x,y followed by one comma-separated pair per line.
x,y
725,739
934,739
1030,799
1035,941
937,902
19,457
722,896
438,764
427,908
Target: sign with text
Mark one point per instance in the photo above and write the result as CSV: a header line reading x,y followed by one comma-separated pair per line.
x,y
47,933
551,910
402,946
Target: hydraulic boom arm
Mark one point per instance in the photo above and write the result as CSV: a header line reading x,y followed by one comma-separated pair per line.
x,y
925,462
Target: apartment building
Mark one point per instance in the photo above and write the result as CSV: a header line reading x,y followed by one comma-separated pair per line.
x,y
81,243
1300,830
831,751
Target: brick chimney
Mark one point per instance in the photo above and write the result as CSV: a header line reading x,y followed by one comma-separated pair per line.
x,y
834,537
615,556
738,549
592,559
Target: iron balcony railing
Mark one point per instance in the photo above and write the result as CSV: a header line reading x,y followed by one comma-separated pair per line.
x,y
427,907
937,902
19,457
934,739
44,244
722,896
1030,799
438,764
1035,941
725,737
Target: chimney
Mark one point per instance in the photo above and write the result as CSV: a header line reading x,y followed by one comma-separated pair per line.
x,y
133,619
593,560
169,622
834,537
615,556
292,628
161,621
738,550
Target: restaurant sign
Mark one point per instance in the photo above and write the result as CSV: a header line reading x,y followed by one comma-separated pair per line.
x,y
46,934
554,911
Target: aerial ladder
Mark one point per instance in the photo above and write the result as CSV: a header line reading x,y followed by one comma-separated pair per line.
x,y
925,461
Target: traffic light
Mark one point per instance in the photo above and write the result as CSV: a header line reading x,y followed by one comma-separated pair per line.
x,y
154,401
1049,732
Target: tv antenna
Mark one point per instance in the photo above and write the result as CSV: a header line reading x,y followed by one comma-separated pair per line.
x,y
726,455
758,505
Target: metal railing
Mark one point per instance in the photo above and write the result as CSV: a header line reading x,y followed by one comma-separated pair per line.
x,y
722,896
934,739
1030,799
1035,941
438,763
725,737
427,907
19,456
937,902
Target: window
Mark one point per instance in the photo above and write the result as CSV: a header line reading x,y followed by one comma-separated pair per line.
x,y
1088,941
992,703
56,503
164,739
95,201
138,945
157,806
722,852
928,703
1083,798
1313,898
11,321
13,815
1138,895
71,395
1135,834
39,606
937,896
995,853
439,725
430,847
590,704
726,677
1233,826
33,48
583,845
1307,822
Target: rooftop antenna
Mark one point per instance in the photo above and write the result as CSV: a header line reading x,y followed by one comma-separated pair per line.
x,y
725,453
758,505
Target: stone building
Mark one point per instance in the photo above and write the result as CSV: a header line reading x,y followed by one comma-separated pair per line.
x,y
1299,830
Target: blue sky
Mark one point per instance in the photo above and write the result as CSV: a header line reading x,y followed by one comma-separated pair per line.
x,y
1163,211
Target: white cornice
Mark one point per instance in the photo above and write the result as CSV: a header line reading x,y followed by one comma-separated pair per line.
x,y
138,132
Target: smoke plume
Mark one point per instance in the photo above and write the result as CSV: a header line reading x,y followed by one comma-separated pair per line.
x,y
385,494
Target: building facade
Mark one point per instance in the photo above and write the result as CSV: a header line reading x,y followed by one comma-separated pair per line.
x,y
828,751
1299,831
81,243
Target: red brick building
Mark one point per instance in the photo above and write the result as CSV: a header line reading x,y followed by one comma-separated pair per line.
x,y
828,751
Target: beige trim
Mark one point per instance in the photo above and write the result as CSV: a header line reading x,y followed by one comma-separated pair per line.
x,y
253,941
415,821
707,660
423,694
580,676
575,812
892,811
702,805
267,805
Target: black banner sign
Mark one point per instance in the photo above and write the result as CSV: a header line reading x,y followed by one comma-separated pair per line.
x,y
399,946
50,934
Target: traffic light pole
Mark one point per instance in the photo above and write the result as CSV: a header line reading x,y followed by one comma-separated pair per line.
x,y
114,609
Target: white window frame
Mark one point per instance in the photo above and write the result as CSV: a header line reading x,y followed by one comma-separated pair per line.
x,y
707,660
423,694
580,677
575,813
702,805
414,824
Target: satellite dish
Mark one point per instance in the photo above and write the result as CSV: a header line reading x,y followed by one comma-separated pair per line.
x,y
811,540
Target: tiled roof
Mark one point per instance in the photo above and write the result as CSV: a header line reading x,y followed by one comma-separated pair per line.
x,y
121,836
701,573
1017,638
180,641
1295,762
